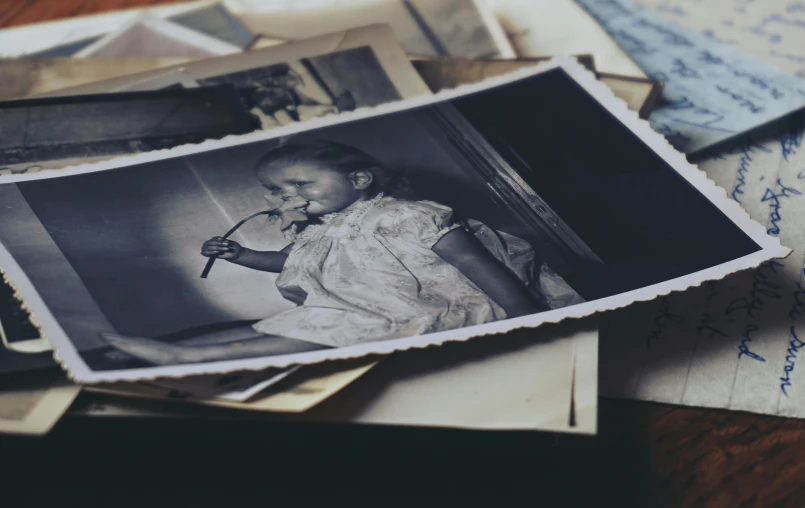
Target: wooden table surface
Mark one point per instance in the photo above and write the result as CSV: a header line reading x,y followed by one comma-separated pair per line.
x,y
645,454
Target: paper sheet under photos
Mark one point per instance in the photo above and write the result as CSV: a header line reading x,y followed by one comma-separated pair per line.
x,y
543,379
213,20
32,404
152,36
739,343
560,27
772,31
713,92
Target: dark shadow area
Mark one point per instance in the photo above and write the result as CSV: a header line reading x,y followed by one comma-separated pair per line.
x,y
646,222
217,462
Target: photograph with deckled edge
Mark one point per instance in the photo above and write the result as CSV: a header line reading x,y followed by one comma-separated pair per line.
x,y
559,232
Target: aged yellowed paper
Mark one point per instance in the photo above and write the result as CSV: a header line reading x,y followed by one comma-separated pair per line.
x,y
33,404
26,77
442,74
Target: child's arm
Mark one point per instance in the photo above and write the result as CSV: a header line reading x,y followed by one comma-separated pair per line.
x,y
464,251
266,261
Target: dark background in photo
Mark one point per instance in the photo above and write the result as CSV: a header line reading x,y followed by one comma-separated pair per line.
x,y
643,221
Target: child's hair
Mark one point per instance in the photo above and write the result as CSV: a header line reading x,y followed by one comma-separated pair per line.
x,y
336,156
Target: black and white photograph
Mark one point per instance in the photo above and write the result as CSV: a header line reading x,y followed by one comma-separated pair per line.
x,y
55,132
276,86
311,87
173,109
446,28
523,200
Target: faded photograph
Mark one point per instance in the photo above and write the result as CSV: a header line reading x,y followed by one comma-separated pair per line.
x,y
391,227
55,132
215,21
446,28
311,87
174,108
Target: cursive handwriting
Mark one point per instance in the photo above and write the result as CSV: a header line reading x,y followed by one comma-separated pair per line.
x,y
675,137
762,289
663,318
670,37
682,70
743,349
706,326
799,303
790,143
794,345
774,197
795,7
743,168
709,58
759,82
754,79
679,11
633,44
740,99
787,56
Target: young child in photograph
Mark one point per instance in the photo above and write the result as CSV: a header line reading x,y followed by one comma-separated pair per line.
x,y
365,265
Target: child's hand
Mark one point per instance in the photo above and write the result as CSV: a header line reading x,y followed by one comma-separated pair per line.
x,y
224,249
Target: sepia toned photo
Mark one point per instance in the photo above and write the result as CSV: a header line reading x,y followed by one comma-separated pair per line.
x,y
272,87
442,220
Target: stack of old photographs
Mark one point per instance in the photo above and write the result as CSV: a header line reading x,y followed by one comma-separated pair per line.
x,y
376,211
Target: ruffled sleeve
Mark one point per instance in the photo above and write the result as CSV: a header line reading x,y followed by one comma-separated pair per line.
x,y
422,223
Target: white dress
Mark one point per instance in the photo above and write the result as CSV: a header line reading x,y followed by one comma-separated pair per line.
x,y
369,273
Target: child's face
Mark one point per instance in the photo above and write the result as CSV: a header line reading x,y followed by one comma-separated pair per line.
x,y
325,190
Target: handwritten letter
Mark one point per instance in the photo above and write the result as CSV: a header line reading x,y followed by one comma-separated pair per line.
x,y
770,30
738,343
712,90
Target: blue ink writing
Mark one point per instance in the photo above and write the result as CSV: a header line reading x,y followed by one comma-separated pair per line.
x,y
706,326
663,318
743,169
680,69
707,57
633,44
790,143
798,308
671,37
762,289
794,345
743,349
774,197
740,99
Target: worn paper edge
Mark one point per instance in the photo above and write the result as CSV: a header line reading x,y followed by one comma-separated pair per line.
x,y
66,354
167,28
284,401
48,411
